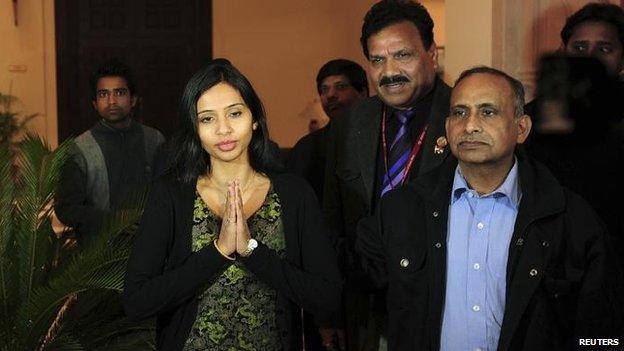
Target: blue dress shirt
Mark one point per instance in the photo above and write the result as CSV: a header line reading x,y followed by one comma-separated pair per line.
x,y
479,231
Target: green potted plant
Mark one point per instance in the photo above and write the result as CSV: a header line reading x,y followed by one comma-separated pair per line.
x,y
54,296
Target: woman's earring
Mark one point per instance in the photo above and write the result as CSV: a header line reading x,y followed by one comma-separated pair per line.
x,y
254,126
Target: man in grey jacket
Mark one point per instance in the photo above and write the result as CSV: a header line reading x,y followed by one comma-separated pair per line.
x,y
111,162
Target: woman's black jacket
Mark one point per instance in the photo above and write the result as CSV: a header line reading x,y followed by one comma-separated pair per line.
x,y
164,277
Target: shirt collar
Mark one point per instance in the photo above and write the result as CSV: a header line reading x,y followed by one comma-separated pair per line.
x,y
510,187
105,126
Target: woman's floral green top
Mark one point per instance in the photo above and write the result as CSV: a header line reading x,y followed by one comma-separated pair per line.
x,y
237,311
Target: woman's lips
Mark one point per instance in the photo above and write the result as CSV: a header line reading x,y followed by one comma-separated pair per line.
x,y
227,145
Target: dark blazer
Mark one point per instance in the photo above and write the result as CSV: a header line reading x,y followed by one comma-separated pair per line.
x,y
307,159
561,281
589,162
352,152
164,277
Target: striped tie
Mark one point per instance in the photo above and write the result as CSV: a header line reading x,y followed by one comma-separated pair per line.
x,y
399,153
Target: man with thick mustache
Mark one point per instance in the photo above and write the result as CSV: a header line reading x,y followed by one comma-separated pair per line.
x,y
489,251
384,141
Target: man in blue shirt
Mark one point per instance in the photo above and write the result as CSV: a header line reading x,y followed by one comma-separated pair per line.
x,y
489,252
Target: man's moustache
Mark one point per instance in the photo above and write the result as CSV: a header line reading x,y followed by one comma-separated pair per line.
x,y
392,80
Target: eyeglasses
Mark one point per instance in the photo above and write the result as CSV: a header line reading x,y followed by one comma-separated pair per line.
x,y
119,92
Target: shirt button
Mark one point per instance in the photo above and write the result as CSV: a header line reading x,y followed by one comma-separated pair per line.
x,y
476,308
533,272
476,266
545,244
438,245
435,213
470,194
404,262
520,242
480,225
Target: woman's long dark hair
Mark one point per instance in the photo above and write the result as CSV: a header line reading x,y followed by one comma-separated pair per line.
x,y
190,160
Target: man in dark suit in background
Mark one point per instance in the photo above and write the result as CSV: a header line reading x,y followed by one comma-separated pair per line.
x,y
340,84
383,141
578,113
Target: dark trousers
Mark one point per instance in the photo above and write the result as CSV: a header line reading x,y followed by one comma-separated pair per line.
x,y
365,320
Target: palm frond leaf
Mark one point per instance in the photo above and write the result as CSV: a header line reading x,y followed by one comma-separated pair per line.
x,y
39,172
98,321
65,343
7,189
99,266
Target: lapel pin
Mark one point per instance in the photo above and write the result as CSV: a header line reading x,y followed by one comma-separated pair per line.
x,y
440,145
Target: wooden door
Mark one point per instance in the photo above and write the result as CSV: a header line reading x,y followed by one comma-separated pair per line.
x,y
163,41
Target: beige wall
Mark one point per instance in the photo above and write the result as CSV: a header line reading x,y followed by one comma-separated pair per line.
x,y
27,62
468,36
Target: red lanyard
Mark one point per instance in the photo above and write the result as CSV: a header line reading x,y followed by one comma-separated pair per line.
x,y
415,149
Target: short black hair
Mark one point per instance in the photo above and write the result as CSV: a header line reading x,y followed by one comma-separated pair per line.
x,y
190,160
595,12
517,88
389,12
354,73
113,68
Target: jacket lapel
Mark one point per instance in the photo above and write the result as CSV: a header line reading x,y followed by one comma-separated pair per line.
x,y
367,141
524,277
436,188
367,134
437,117
528,257
188,192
